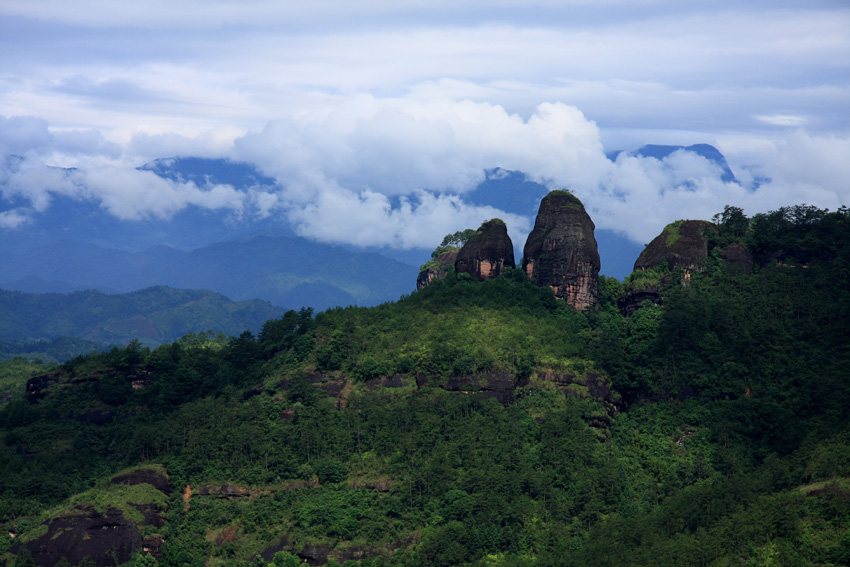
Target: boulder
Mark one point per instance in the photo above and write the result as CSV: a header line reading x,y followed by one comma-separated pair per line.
x,y
487,253
633,299
561,250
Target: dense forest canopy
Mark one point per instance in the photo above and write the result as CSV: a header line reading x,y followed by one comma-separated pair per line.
x,y
474,423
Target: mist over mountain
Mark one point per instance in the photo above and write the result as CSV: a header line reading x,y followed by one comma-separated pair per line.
x,y
76,243
287,271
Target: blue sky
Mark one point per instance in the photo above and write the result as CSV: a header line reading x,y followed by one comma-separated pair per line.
x,y
348,104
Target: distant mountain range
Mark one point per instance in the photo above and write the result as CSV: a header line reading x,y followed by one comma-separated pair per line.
x,y
75,245
290,272
155,316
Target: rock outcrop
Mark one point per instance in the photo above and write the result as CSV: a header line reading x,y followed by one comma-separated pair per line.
x,y
561,250
436,269
633,299
682,243
487,253
494,384
226,490
104,539
103,536
144,476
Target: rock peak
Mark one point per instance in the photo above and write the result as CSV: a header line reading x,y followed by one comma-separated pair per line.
x,y
683,243
561,250
488,252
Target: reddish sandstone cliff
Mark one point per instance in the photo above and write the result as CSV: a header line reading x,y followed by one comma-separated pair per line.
x,y
487,253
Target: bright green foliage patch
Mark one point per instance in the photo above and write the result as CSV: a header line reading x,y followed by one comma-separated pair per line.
x,y
671,232
121,497
14,374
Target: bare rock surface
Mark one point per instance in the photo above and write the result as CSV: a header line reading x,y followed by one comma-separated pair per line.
x,y
105,539
682,243
487,253
739,256
561,250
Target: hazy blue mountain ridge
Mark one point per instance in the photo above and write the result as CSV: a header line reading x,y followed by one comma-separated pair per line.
x,y
76,244
155,315
263,267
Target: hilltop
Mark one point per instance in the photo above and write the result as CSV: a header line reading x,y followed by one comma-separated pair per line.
x,y
473,422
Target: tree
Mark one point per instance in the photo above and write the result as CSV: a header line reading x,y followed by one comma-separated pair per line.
x,y
732,222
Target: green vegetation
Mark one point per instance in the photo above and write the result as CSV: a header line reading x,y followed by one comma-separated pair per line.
x,y
710,430
14,374
653,277
54,327
671,232
451,242
55,350
566,198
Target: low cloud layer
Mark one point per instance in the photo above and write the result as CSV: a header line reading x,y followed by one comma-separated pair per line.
x,y
376,119
394,171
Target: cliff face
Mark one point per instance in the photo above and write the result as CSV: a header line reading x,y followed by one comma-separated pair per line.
x,y
487,253
561,250
682,243
438,270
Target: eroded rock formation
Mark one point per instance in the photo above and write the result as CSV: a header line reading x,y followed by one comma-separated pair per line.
x,y
106,538
436,270
487,253
682,243
561,250
102,537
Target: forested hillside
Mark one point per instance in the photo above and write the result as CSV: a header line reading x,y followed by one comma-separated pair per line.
x,y
470,423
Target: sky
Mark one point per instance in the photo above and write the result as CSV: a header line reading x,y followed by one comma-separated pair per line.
x,y
376,117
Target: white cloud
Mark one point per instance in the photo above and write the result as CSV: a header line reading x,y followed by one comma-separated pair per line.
x,y
13,219
340,168
337,168
125,192
28,179
782,120
367,219
397,146
191,66
212,143
131,194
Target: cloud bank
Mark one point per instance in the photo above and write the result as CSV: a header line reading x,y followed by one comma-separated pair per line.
x,y
394,171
